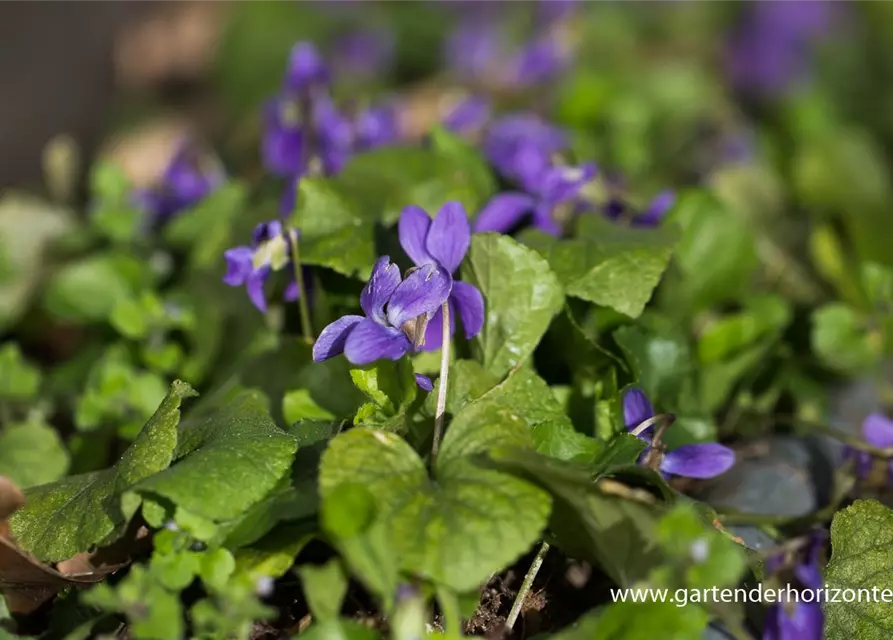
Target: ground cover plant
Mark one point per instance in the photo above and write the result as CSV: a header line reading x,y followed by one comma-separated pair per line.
x,y
454,319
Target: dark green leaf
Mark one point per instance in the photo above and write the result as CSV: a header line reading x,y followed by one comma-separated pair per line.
x,y
324,588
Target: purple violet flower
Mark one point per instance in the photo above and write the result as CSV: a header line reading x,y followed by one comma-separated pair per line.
x,y
306,70
650,216
522,145
251,266
424,382
772,49
877,430
468,116
799,620
364,54
443,241
556,186
393,309
188,179
704,460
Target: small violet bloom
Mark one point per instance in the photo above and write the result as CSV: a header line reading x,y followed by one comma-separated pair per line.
x,y
521,146
877,430
251,266
651,216
704,460
468,116
364,54
188,179
443,241
800,620
557,186
395,310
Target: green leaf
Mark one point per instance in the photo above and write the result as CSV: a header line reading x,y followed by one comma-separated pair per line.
x,y
717,254
340,630
622,451
465,524
336,231
225,463
482,182
19,380
607,523
217,565
634,620
389,384
659,362
533,401
861,545
362,535
763,316
706,557
62,519
468,382
31,453
28,227
88,290
152,612
387,179
324,588
299,405
843,339
207,226
521,296
273,555
610,265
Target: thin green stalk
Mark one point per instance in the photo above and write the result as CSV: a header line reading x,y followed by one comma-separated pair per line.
x,y
526,585
442,383
303,309
452,618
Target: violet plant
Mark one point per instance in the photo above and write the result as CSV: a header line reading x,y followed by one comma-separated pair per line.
x,y
466,445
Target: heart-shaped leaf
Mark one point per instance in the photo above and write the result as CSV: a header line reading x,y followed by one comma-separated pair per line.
x,y
521,296
466,522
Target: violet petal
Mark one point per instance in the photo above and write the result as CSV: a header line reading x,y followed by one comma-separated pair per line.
x,y
636,408
469,303
503,212
384,280
238,265
330,342
422,292
413,229
449,236
704,460
877,429
370,341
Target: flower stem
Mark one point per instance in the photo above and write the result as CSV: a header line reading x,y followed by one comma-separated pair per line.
x,y
303,309
442,383
526,585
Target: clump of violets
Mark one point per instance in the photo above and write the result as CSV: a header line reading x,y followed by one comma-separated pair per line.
x,y
523,148
397,311
189,178
800,620
443,242
304,131
478,52
877,430
251,266
703,460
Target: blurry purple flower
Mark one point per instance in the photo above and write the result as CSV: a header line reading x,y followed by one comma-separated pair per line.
x,y
538,61
521,146
877,430
333,134
650,216
189,178
800,620
772,48
443,241
284,138
468,116
704,460
270,251
363,54
556,186
555,10
375,127
393,309
474,48
306,69
424,382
